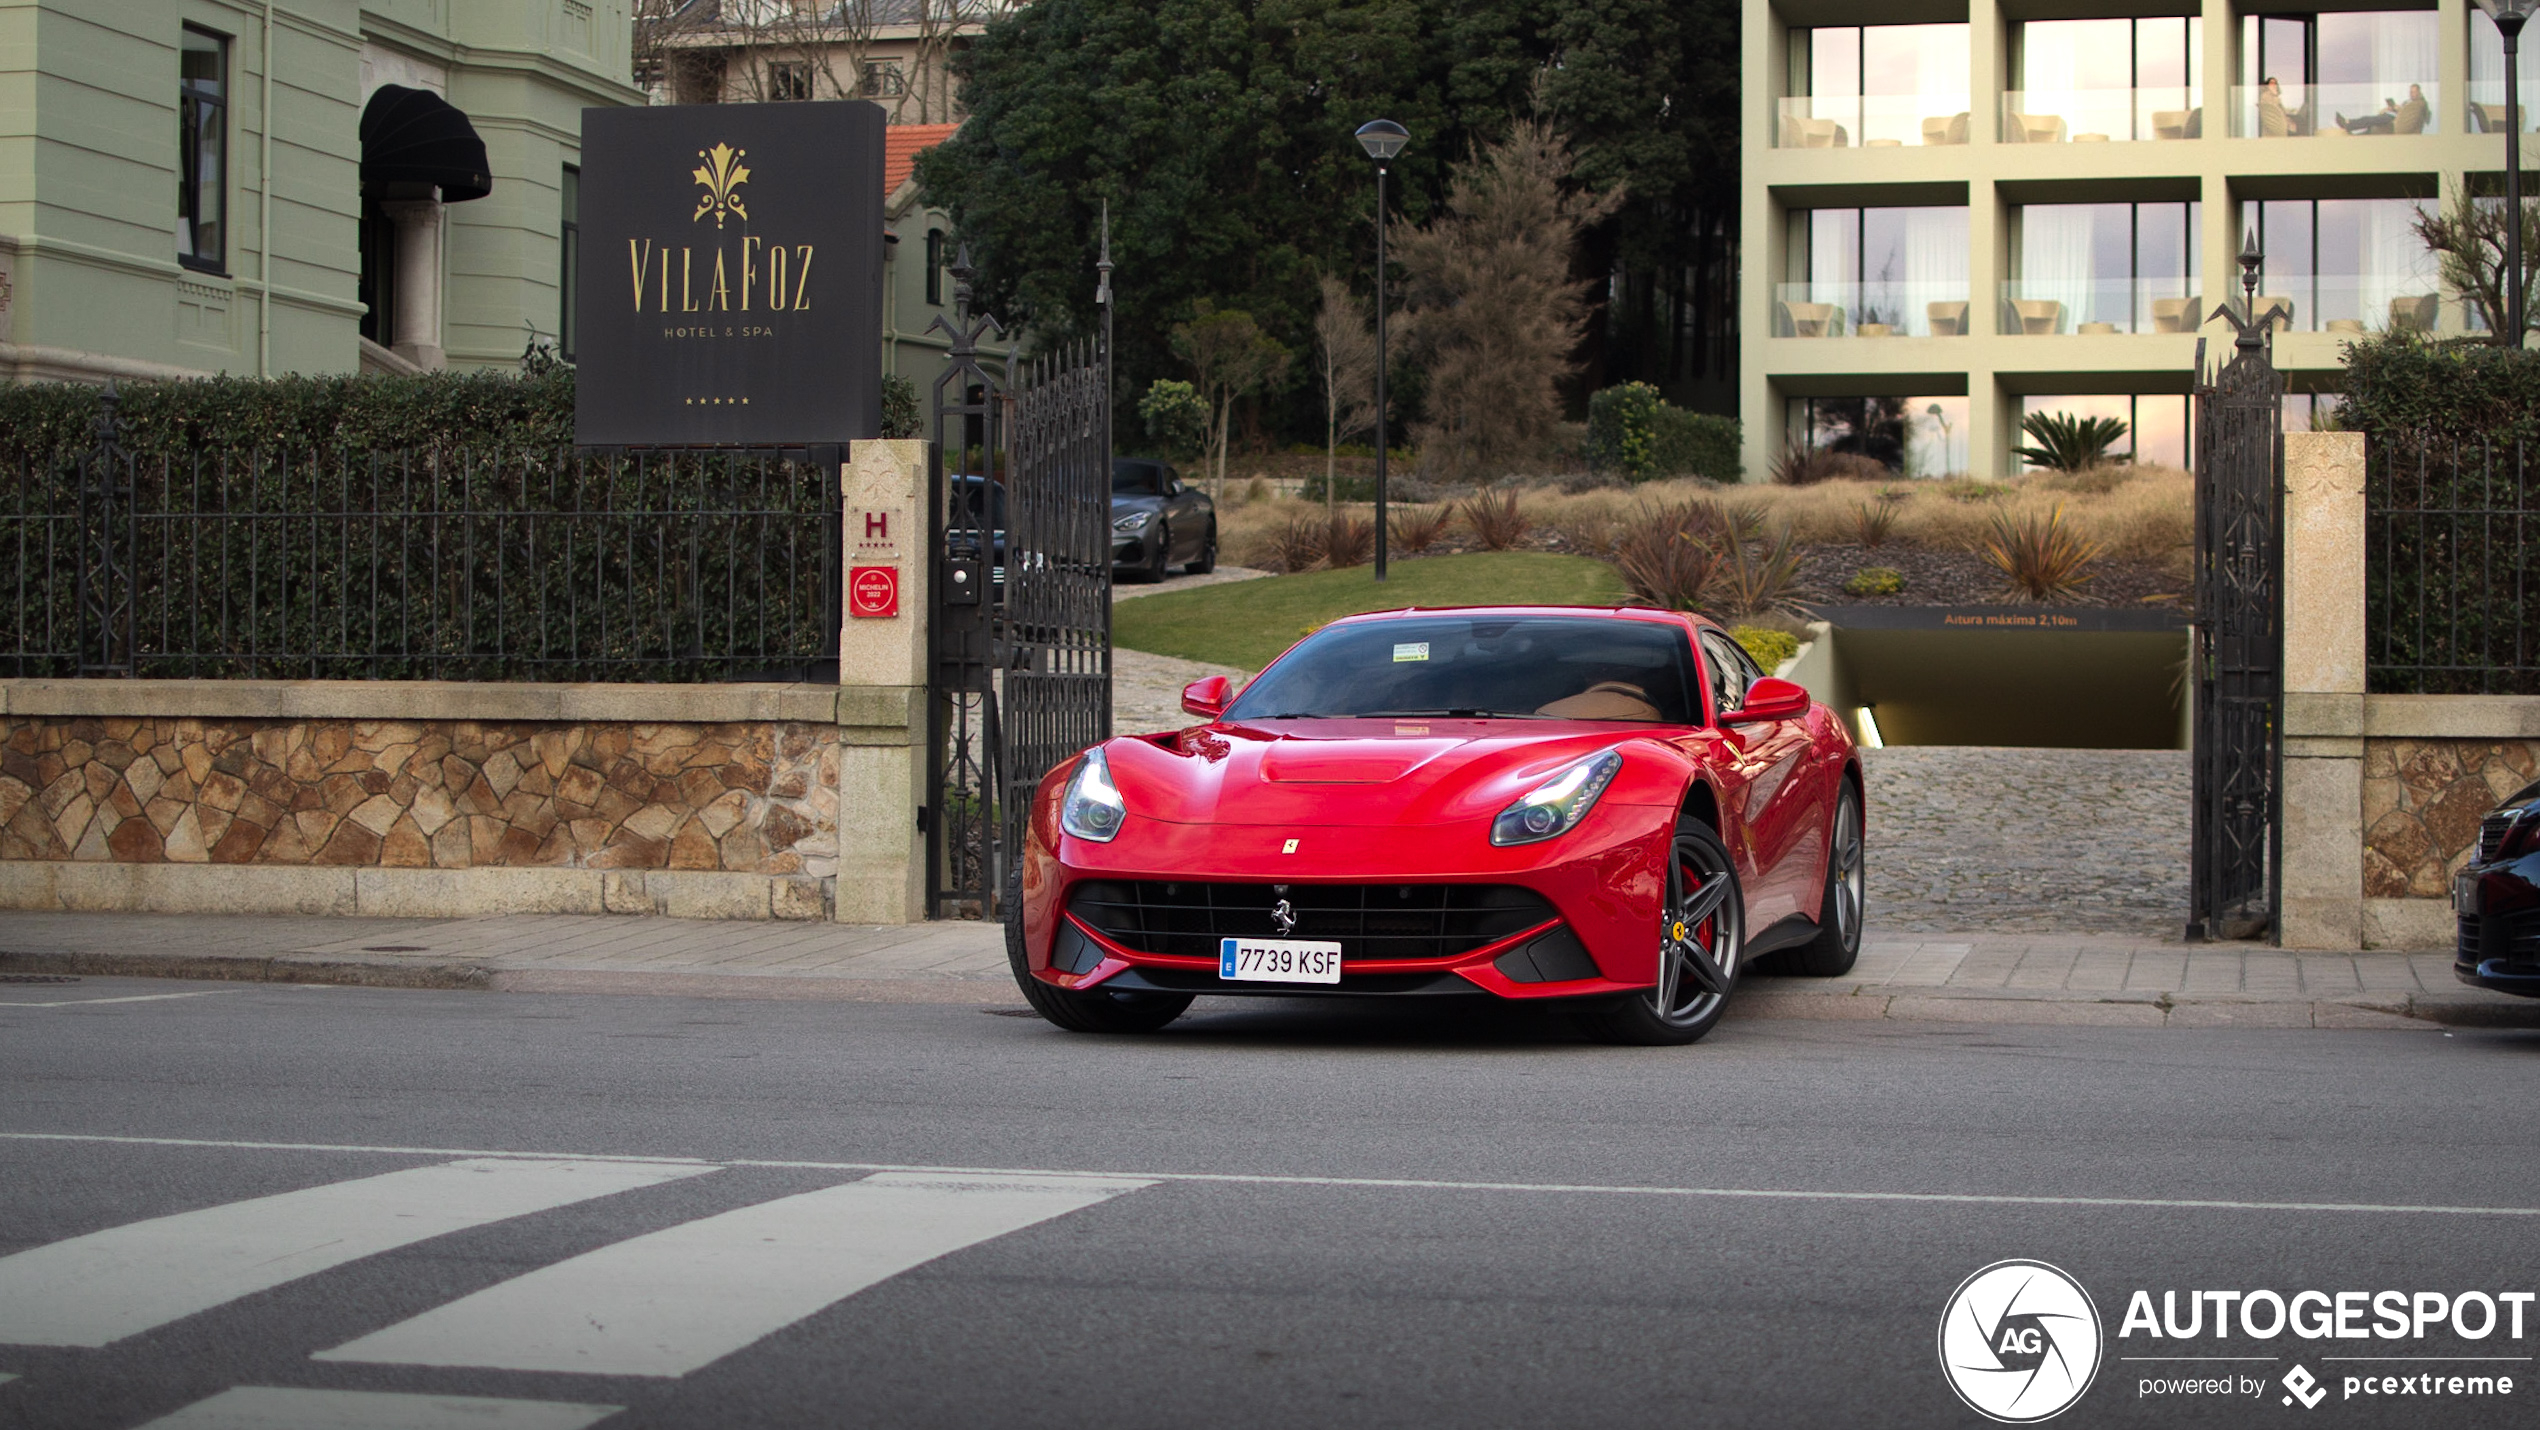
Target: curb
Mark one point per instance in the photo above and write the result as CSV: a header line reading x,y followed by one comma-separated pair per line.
x,y
2422,1011
249,968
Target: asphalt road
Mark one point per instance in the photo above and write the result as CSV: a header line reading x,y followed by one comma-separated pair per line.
x,y
490,1210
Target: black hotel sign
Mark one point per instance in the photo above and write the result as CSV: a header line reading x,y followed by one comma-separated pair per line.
x,y
731,275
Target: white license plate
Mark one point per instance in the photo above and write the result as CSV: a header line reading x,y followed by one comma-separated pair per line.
x,y
1278,960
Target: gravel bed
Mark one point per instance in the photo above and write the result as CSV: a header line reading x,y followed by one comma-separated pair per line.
x,y
1966,839
1965,578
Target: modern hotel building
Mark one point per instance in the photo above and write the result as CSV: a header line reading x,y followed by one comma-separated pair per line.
x,y
1960,212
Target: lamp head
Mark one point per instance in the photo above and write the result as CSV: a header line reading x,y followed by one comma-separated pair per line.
x,y
1382,138
2509,15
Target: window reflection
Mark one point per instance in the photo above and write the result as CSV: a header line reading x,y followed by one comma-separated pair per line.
x,y
2345,265
1876,272
1910,436
2103,268
2156,422
1876,86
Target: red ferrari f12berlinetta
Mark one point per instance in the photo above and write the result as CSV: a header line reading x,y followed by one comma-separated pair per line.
x,y
1614,807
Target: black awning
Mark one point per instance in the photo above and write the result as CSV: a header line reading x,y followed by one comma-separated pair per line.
x,y
413,136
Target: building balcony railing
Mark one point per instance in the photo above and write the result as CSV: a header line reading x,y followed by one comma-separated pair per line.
x,y
2487,106
2096,307
2086,116
2354,303
2379,108
1876,121
1870,310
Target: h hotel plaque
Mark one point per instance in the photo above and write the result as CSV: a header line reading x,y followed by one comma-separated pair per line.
x,y
731,275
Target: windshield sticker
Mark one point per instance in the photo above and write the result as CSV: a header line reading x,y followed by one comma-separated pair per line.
x,y
1410,650
1411,729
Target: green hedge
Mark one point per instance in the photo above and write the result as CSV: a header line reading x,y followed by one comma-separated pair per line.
x,y
433,412
2401,383
1634,431
436,412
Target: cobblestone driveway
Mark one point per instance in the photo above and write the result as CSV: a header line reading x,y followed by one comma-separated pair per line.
x,y
1970,840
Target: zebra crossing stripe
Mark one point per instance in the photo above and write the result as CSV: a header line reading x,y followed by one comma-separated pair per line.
x,y
96,1289
260,1407
669,1302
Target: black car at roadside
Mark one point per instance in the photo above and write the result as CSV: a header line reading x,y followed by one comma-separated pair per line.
x,y
2497,897
1157,522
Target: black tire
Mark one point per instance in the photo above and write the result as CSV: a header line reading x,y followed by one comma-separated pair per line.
x,y
1840,910
1160,558
1680,1009
1206,561
1095,1011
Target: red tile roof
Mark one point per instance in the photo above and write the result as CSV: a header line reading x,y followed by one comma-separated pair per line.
x,y
901,144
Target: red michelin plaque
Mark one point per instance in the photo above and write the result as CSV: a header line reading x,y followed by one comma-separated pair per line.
x,y
873,591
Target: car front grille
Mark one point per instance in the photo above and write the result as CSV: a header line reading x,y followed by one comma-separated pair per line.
x,y
2513,937
2492,832
1371,921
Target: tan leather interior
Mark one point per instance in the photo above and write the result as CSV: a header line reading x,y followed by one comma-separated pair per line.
x,y
1605,700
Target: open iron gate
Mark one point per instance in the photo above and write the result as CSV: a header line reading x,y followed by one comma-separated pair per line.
x,y
1020,628
2238,656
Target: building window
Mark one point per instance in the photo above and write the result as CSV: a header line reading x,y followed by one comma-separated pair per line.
x,y
2345,265
2362,71
882,78
2106,80
569,264
1875,272
202,141
2103,268
2155,423
1911,436
788,80
935,267
1876,85
2487,77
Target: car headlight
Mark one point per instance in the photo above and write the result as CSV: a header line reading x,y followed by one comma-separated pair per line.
x,y
1134,521
1092,809
1556,806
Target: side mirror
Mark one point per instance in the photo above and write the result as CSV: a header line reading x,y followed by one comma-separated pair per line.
x,y
1771,698
1209,698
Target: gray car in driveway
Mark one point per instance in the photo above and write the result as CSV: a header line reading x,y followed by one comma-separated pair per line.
x,y
1158,523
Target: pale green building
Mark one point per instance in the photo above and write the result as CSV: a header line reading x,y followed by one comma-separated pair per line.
x,y
155,223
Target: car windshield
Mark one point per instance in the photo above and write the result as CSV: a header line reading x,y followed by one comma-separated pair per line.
x,y
1138,480
1520,667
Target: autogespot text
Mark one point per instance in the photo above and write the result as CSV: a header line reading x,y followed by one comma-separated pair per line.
x,y
2464,1343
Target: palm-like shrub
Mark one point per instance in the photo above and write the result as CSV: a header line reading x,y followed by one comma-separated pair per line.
x,y
1498,522
1298,545
2040,558
1873,522
1417,528
1668,565
1757,577
1348,541
2070,444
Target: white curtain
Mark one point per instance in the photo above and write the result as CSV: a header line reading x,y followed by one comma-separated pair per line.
x,y
2394,263
1935,263
2404,51
2055,259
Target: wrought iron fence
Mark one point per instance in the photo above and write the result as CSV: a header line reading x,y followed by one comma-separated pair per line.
x,y
2452,579
558,565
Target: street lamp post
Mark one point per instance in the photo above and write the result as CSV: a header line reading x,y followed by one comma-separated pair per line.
x,y
2509,16
1382,139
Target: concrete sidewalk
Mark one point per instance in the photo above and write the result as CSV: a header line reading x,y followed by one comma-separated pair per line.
x,y
1976,978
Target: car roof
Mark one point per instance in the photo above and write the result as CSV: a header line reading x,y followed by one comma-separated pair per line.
x,y
1627,613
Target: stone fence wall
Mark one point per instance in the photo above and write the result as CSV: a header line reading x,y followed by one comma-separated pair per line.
x,y
428,798
416,798
2382,793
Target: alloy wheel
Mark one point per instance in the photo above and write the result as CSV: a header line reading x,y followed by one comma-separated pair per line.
x,y
1851,879
1701,938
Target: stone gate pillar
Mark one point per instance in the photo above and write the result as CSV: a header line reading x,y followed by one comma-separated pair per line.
x,y
882,678
2323,690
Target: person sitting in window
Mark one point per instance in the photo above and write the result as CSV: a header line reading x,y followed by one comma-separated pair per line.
x,y
2273,122
2394,118
2381,123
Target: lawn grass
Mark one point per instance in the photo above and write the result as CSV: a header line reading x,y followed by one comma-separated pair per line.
x,y
1246,623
